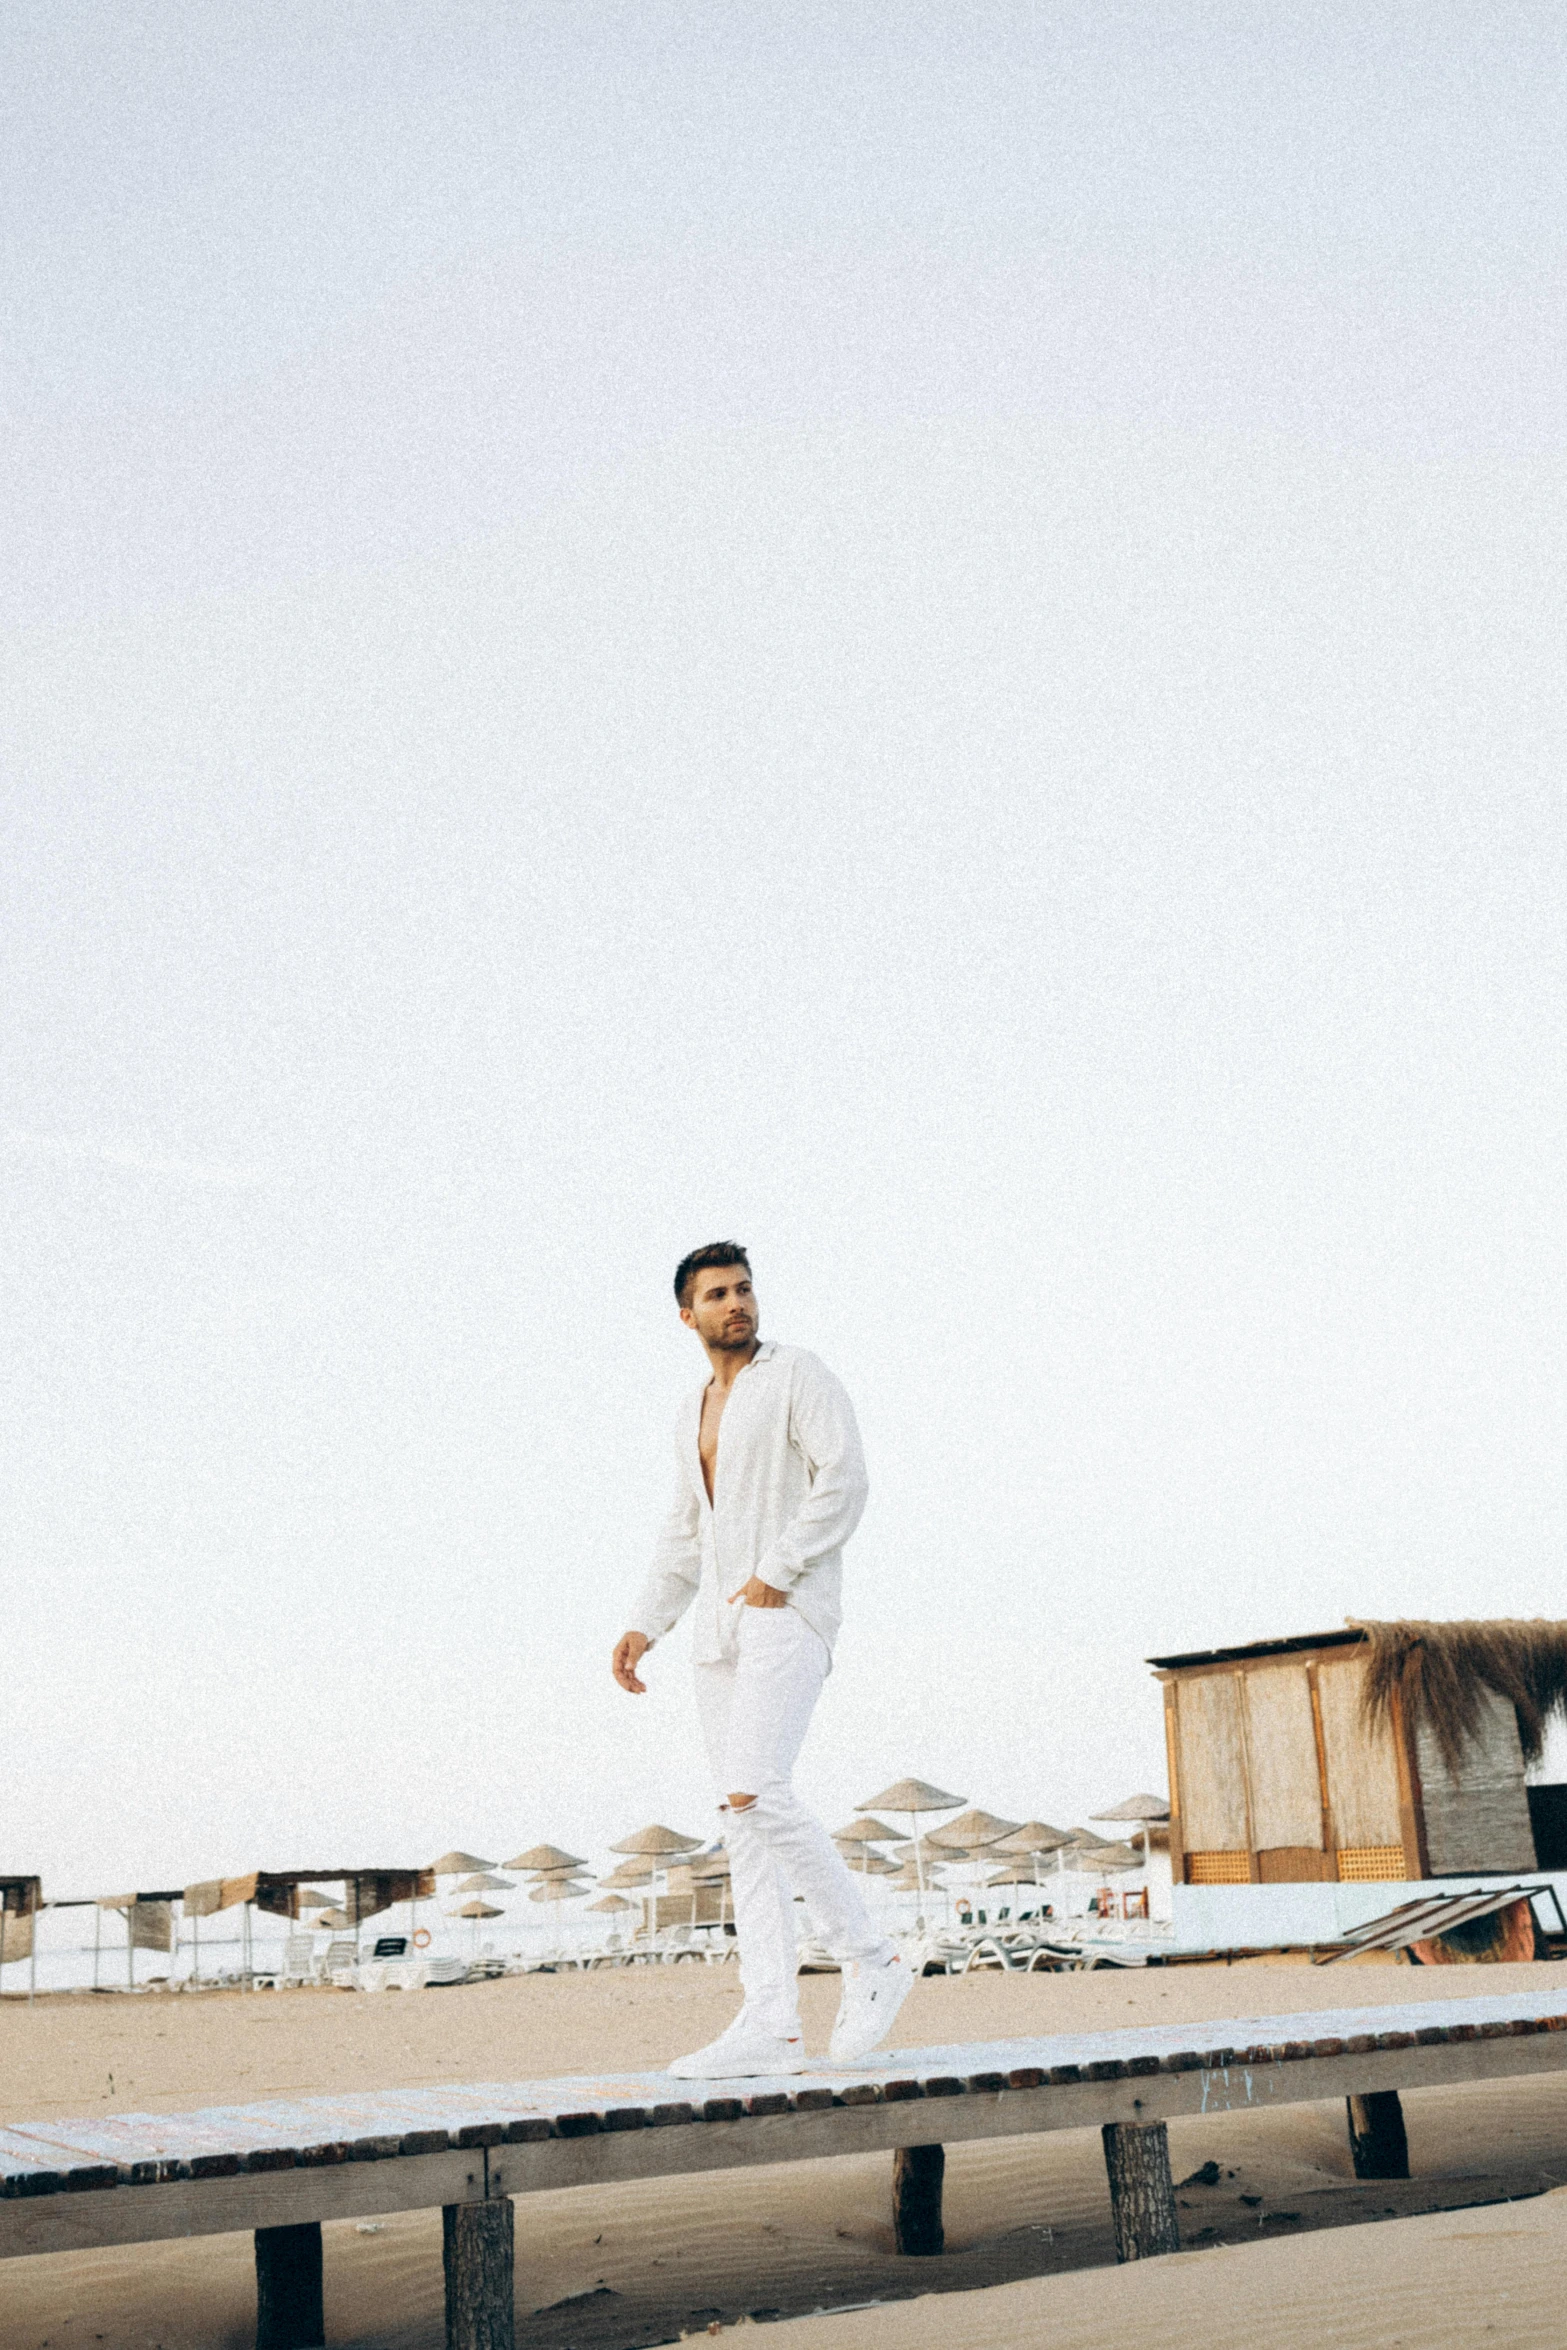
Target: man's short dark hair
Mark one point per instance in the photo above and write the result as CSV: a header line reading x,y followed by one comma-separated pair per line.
x,y
717,1252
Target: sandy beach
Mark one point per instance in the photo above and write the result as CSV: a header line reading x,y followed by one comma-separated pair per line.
x,y
1029,2252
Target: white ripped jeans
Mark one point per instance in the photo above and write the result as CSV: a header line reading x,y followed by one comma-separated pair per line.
x,y
755,1711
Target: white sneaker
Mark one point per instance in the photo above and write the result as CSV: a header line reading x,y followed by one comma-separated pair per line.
x,y
868,2009
742,2053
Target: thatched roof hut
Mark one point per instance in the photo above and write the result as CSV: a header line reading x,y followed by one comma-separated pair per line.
x,y
1382,1751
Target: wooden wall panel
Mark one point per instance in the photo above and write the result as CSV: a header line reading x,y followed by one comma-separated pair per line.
x,y
1362,1765
1294,1864
1213,1764
1281,1744
1482,1822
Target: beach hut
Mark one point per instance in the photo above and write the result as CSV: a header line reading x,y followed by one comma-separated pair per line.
x,y
1381,1752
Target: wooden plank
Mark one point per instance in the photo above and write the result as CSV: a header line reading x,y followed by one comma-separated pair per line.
x,y
224,2206
28,2167
1329,1832
1362,1764
1173,1763
1281,1742
1213,1765
1293,1864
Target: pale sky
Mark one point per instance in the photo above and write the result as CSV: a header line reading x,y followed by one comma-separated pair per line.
x,y
930,637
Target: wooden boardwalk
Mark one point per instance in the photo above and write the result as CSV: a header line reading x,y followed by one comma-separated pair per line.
x,y
281,2167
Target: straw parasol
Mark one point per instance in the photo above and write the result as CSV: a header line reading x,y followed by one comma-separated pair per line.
x,y
543,1856
913,1796
458,1864
863,1831
1093,1854
866,1863
612,1902
555,1893
1034,1838
486,1881
1144,1810
476,1911
657,1842
1013,1874
630,1872
973,1827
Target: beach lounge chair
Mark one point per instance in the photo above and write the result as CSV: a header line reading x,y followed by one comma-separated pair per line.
x,y
339,1962
299,1962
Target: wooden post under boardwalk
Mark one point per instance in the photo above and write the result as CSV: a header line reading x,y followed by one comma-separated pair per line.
x,y
1142,2199
288,2288
476,2252
1378,2144
917,2173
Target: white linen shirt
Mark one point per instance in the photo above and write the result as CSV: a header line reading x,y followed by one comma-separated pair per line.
x,y
789,1488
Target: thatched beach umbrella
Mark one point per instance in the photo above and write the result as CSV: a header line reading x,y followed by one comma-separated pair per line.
x,y
458,1864
1034,1838
486,1881
866,1863
476,1910
612,1903
973,1827
1144,1810
656,1843
544,1856
864,1831
912,1797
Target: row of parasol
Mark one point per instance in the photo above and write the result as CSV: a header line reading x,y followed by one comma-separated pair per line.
x,y
659,1861
983,1837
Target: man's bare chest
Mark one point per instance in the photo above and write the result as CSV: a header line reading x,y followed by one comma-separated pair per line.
x,y
714,1401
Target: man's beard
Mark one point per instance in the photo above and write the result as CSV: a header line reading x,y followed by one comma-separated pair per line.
x,y
730,1342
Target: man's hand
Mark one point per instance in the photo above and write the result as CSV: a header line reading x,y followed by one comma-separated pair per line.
x,y
756,1593
630,1649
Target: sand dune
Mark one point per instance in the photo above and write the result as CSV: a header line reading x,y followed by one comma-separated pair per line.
x,y
1029,2253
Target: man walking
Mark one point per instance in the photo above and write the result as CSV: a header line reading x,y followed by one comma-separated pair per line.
x,y
770,1485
